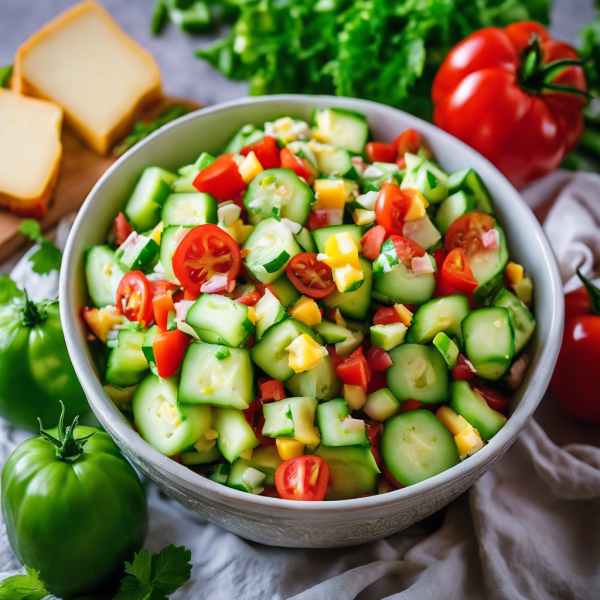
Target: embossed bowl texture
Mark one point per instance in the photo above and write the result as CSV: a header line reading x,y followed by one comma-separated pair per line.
x,y
270,520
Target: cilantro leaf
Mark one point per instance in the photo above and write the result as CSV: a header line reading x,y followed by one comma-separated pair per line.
x,y
155,577
23,587
8,289
48,257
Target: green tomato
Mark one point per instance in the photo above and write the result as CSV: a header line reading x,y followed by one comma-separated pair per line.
x,y
35,369
74,508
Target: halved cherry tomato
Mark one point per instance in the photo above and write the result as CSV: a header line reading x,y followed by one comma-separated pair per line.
x,y
205,251
134,299
266,151
406,249
378,359
441,288
386,315
391,207
466,232
456,272
162,306
379,152
409,405
121,229
256,419
310,276
495,399
372,240
272,390
301,166
355,369
221,179
169,350
378,382
408,141
302,478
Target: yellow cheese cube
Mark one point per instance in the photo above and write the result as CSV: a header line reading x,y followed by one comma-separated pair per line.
x,y
306,310
289,448
363,217
250,168
330,194
348,277
455,423
30,152
86,63
157,233
354,395
238,231
417,207
102,320
247,454
404,314
305,353
341,250
204,444
468,442
514,273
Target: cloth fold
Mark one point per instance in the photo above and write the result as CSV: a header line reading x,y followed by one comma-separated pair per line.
x,y
528,529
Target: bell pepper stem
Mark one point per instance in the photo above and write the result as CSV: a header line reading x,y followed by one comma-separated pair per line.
x,y
594,293
68,447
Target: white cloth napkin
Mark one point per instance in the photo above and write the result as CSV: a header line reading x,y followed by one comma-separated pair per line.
x,y
528,529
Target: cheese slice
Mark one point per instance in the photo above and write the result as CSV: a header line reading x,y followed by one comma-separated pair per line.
x,y
86,63
30,152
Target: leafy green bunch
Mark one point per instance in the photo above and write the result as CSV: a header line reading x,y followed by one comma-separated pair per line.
x,y
383,50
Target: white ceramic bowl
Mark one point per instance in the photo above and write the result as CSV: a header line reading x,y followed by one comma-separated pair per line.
x,y
269,520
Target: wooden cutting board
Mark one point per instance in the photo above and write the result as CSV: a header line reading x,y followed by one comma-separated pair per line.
x,y
81,168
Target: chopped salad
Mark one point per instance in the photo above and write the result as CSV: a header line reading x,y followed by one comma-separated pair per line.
x,y
311,315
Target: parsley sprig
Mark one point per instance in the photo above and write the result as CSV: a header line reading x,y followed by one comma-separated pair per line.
x,y
48,257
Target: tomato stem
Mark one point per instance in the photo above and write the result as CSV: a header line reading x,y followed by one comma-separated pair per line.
x,y
593,292
33,313
67,446
537,77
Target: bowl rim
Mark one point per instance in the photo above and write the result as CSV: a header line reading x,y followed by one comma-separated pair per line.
x,y
111,418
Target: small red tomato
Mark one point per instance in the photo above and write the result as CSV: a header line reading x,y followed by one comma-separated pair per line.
x,y
134,299
302,478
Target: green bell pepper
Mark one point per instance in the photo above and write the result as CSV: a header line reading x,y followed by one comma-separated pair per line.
x,y
74,508
35,368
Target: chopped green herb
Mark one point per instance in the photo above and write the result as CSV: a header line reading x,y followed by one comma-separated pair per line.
x,y
142,130
48,257
5,75
23,587
160,17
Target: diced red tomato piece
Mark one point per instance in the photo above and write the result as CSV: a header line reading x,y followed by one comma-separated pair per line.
x,y
121,229
457,273
169,350
272,390
301,166
409,405
134,299
355,369
266,152
378,359
386,315
318,219
221,179
408,141
462,373
378,382
379,152
163,305
495,399
161,287
372,241
335,357
256,419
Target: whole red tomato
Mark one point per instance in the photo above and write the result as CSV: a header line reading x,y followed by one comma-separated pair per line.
x,y
574,384
515,95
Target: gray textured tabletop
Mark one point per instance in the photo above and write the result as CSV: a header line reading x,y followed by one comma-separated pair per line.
x,y
183,74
